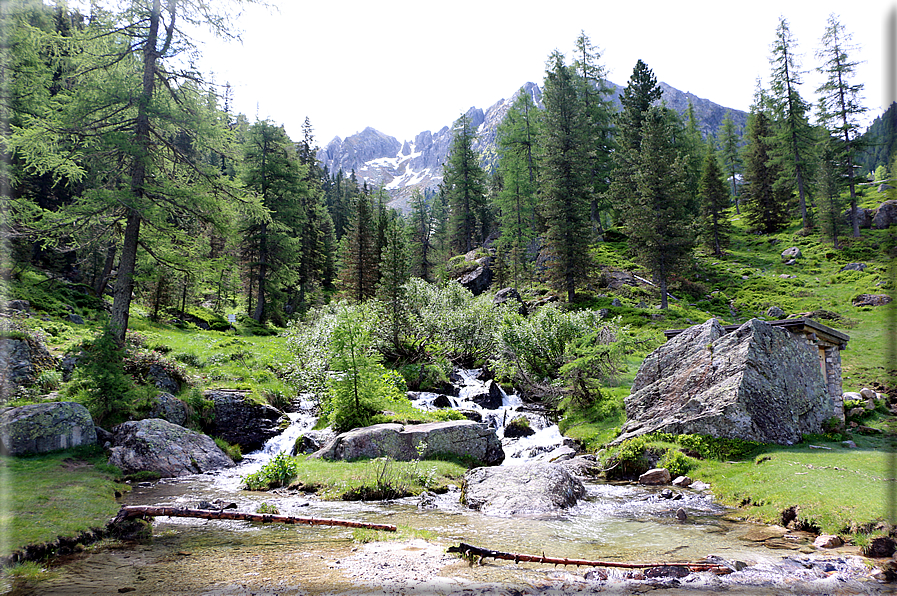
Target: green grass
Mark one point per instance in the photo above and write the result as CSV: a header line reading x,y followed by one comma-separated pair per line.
x,y
838,490
59,494
364,535
370,479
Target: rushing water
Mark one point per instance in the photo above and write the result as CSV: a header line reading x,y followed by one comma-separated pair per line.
x,y
614,522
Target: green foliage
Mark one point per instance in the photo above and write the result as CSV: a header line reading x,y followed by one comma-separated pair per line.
x,y
676,462
278,472
108,391
266,508
232,451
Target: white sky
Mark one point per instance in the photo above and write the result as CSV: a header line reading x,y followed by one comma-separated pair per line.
x,y
406,66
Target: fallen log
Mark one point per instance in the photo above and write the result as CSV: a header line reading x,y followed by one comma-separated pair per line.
x,y
130,511
472,553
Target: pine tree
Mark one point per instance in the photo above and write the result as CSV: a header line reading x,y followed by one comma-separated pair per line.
x,y
693,150
564,178
515,201
273,173
393,276
766,204
729,140
840,101
829,185
420,231
715,225
464,182
359,254
660,225
638,95
793,137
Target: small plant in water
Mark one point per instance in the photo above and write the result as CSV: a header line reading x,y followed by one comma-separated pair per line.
x,y
267,508
278,472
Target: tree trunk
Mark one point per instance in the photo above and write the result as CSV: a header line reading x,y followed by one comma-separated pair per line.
x,y
99,283
124,283
128,512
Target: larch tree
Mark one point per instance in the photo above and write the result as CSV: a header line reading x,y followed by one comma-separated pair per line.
x,y
564,177
660,226
359,253
841,102
420,229
516,199
729,140
464,182
127,104
393,276
829,184
792,147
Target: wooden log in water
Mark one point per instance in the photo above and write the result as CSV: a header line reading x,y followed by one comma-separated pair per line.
x,y
474,552
130,511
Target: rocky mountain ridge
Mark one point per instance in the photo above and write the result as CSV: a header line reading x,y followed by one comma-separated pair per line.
x,y
402,167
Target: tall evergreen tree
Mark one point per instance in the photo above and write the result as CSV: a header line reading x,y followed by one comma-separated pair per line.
x,y
766,204
840,101
359,253
564,177
420,232
693,150
516,200
793,143
729,140
715,225
393,275
639,94
660,226
464,182
829,184
272,171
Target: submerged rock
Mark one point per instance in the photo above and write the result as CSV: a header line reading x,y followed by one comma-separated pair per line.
x,y
243,422
757,383
39,428
155,445
523,489
456,437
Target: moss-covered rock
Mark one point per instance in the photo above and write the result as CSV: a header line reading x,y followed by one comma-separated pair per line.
x,y
40,428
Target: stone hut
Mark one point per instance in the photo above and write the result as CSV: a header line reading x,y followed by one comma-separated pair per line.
x,y
827,341
756,381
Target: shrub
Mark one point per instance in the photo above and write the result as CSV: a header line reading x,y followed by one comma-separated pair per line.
x,y
278,472
232,451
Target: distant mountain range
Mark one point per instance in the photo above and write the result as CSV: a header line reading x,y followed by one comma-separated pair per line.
x,y
401,167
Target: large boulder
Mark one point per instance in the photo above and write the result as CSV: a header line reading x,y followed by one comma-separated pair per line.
x,y
169,408
155,445
240,421
456,437
864,217
885,215
758,383
525,489
21,362
39,428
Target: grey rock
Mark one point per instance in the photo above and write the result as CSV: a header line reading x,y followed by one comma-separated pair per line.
x,y
616,302
159,377
40,428
683,481
242,422
871,300
848,444
854,267
863,215
757,383
774,312
827,541
681,515
18,305
478,280
524,489
168,407
789,262
510,295
312,441
885,215
851,396
655,476
792,253
868,393
158,446
490,398
21,362
456,437
518,427
76,319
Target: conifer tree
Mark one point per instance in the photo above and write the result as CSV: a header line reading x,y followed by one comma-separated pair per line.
x,y
359,254
829,186
793,137
840,102
729,140
420,232
660,227
766,203
516,200
564,177
273,173
393,275
638,95
464,182
715,225
693,150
